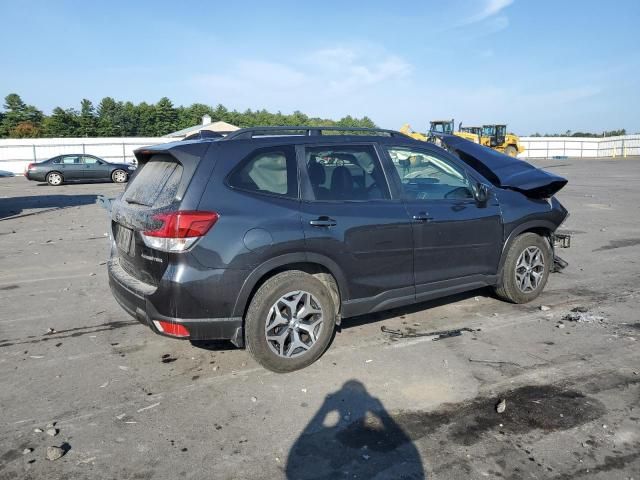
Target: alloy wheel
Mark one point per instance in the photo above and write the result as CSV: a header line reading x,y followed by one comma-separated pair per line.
x,y
529,269
293,324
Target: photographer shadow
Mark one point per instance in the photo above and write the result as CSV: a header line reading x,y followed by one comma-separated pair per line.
x,y
353,436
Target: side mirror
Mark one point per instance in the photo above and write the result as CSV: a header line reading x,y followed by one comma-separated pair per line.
x,y
481,193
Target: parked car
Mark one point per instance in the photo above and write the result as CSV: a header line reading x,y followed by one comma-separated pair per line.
x,y
270,237
5,173
77,167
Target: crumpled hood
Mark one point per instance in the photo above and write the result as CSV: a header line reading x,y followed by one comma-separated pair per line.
x,y
504,171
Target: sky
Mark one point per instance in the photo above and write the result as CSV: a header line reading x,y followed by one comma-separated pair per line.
x,y
538,65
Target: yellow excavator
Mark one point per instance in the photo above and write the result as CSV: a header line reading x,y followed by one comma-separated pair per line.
x,y
496,137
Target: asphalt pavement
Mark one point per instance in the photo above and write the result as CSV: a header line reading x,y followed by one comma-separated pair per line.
x,y
125,403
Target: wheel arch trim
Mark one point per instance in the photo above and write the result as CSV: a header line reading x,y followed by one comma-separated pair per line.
x,y
529,226
276,263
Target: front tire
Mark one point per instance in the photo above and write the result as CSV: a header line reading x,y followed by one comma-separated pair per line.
x,y
119,176
55,179
526,269
511,151
290,321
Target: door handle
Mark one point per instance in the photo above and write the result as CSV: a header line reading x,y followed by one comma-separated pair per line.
x,y
323,221
422,217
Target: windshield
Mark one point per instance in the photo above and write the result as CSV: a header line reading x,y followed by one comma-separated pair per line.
x,y
488,130
442,127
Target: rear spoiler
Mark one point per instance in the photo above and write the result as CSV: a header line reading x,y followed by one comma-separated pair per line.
x,y
504,171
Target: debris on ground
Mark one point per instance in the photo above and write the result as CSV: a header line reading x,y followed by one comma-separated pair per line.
x,y
27,451
54,453
37,430
501,406
544,308
50,331
438,335
254,399
560,325
581,314
52,432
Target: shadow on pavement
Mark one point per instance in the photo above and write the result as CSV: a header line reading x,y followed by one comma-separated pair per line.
x,y
353,436
14,206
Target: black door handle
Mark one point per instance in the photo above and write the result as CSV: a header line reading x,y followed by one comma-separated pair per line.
x,y
323,222
422,217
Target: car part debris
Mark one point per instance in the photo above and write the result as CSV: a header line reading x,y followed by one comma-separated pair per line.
x,y
501,406
439,335
561,240
580,316
558,264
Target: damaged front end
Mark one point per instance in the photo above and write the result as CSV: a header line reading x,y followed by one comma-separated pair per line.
x,y
516,175
504,171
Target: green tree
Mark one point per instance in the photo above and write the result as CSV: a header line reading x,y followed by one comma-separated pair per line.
x,y
87,119
61,123
17,112
166,117
146,119
109,118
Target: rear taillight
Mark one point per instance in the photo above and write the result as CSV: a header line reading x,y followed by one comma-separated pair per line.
x,y
30,166
179,231
171,328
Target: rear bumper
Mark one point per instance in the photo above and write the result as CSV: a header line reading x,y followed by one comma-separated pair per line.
x,y
133,297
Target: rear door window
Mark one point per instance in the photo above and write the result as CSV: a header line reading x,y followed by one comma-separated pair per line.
x,y
156,183
270,171
346,172
71,160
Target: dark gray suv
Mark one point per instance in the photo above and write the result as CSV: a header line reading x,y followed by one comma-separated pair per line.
x,y
270,236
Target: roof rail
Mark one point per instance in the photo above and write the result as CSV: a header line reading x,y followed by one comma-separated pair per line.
x,y
248,133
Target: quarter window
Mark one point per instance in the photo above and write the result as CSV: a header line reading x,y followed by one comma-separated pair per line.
x,y
428,176
346,173
270,171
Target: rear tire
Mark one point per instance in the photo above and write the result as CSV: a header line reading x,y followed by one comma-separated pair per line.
x,y
290,321
119,176
55,179
511,151
526,269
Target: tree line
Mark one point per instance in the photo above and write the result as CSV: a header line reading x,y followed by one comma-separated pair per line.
x,y
569,133
111,118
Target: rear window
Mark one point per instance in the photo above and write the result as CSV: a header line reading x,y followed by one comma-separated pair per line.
x,y
269,171
156,183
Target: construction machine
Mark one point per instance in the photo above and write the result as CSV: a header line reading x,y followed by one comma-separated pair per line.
x,y
477,131
447,127
496,137
406,129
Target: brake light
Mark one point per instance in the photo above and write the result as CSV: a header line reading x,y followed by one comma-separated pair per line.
x,y
170,328
179,231
30,166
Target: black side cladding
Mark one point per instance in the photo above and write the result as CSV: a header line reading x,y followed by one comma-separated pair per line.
x,y
504,171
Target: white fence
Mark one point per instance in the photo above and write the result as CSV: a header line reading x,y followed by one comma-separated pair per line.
x,y
16,154
581,147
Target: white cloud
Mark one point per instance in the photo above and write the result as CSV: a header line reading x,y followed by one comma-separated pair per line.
x,y
323,79
489,9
